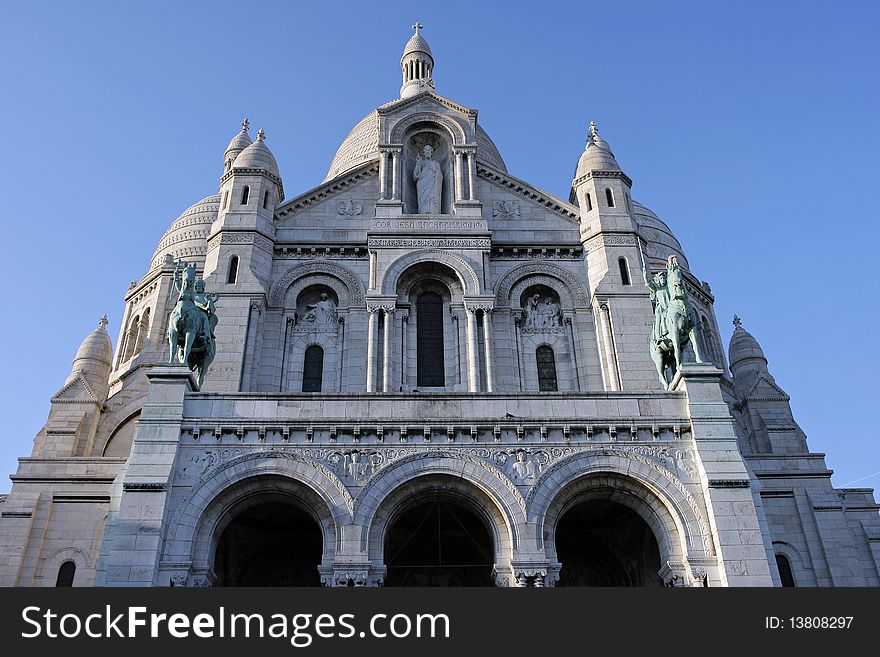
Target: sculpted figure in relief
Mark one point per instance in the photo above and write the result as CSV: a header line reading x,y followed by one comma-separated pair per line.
x,y
429,181
542,315
322,313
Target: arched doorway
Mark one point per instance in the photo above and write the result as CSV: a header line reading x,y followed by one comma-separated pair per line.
x,y
439,542
269,541
604,543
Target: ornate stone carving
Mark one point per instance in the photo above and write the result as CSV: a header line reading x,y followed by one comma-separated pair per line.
x,y
430,242
542,312
321,314
514,279
507,209
349,207
353,287
429,181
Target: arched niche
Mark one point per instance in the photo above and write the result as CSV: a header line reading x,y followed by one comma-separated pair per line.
x,y
316,305
439,139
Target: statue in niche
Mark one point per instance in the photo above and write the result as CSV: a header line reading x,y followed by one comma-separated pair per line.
x,y
542,315
429,181
321,313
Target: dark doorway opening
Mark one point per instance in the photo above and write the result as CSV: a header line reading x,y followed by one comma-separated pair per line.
x,y
439,543
272,543
602,543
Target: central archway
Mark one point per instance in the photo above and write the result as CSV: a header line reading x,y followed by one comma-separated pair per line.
x,y
604,543
439,542
269,540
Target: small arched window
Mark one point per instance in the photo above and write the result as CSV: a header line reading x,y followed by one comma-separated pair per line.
x,y
624,271
609,196
785,574
232,273
131,338
313,369
244,194
546,369
143,329
66,574
589,202
266,199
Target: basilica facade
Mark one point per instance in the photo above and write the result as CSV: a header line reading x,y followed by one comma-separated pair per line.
x,y
424,371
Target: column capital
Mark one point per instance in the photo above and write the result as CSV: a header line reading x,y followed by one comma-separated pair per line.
x,y
473,304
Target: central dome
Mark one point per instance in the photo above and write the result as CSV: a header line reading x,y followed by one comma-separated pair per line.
x,y
362,146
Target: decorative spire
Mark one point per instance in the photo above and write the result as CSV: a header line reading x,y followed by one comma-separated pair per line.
x,y
593,133
261,135
102,323
245,125
417,26
737,322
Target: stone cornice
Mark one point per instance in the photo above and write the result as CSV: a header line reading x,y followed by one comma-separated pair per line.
x,y
601,173
401,103
529,192
328,189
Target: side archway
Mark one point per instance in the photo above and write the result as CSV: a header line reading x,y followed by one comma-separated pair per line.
x,y
464,270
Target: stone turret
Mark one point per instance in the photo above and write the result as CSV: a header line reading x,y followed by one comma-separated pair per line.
x,y
93,361
236,145
417,65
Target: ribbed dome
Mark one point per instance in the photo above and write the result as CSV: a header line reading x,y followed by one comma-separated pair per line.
x,y
661,243
362,146
743,347
417,43
187,236
94,358
257,156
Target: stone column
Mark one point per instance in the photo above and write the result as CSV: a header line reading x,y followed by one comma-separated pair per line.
x,y
473,370
395,175
386,351
472,172
613,379
383,175
490,351
458,181
574,356
404,324
371,349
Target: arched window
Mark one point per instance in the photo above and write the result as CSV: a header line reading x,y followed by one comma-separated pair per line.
x,y
609,196
589,202
624,271
226,199
429,341
232,273
143,329
66,574
546,369
244,194
785,574
313,369
131,338
266,199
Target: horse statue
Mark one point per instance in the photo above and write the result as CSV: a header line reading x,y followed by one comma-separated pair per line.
x,y
675,322
192,322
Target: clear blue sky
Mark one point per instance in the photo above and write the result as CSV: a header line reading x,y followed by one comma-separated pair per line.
x,y
750,127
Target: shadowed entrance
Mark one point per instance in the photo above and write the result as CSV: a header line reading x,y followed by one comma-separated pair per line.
x,y
602,543
271,543
438,543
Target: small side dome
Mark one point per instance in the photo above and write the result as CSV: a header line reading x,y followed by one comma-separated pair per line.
x,y
257,156
238,143
416,44
660,243
187,236
94,359
744,347
596,156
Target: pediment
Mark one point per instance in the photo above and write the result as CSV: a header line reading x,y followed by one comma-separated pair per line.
x,y
347,188
765,388
514,189
424,101
77,391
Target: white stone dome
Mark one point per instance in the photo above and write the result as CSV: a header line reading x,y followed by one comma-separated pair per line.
x,y
660,241
94,358
415,44
257,156
187,236
239,142
362,146
596,156
744,347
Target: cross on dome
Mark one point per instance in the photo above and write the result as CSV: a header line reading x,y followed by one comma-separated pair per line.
x,y
737,322
261,135
245,125
417,26
102,323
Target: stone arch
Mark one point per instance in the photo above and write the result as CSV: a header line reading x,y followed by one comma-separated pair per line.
x,y
345,283
465,272
194,525
642,484
50,567
453,128
375,504
120,431
802,575
513,283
